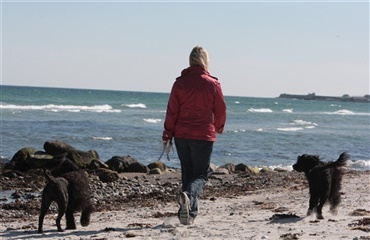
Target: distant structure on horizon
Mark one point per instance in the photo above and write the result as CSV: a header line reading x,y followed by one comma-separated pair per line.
x,y
313,96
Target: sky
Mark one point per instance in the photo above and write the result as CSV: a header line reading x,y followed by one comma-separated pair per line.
x,y
256,48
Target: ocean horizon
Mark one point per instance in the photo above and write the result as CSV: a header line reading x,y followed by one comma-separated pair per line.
x,y
259,132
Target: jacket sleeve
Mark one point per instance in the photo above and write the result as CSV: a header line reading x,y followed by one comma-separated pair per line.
x,y
219,110
172,114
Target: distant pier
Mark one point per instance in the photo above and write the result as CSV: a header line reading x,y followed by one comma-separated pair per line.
x,y
313,96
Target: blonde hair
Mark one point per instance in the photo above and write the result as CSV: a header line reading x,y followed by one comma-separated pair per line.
x,y
199,57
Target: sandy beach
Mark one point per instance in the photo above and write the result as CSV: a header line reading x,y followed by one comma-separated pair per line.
x,y
274,213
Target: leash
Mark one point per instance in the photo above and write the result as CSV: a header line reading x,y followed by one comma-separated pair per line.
x,y
166,149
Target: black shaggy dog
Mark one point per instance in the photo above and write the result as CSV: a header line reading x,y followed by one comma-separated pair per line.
x,y
69,188
324,179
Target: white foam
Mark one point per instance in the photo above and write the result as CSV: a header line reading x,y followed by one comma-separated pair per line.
x,y
360,164
239,130
135,105
272,167
61,108
103,138
344,112
290,129
152,120
260,110
300,122
237,102
288,110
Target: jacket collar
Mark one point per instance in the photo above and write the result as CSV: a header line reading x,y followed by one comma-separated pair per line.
x,y
194,70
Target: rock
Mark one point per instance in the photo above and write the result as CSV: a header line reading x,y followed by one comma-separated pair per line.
x,y
242,167
280,170
19,160
38,159
120,163
12,174
137,167
265,170
155,171
81,158
57,147
96,164
254,169
212,167
106,175
221,171
229,166
157,164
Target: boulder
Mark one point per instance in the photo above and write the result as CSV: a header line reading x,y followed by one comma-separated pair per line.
x,y
28,158
157,164
229,166
212,167
81,158
106,175
57,147
137,167
221,171
38,159
278,169
120,163
155,171
96,164
242,167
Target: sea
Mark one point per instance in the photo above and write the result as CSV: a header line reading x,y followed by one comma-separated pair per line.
x,y
259,132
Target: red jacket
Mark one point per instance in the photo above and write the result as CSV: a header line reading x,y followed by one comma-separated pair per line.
x,y
196,108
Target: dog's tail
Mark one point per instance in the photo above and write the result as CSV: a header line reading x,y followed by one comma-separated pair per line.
x,y
49,177
341,162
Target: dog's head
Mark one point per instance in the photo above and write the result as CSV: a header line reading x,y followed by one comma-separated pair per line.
x,y
306,162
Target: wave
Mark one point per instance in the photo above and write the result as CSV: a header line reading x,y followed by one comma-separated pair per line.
x,y
260,110
288,110
302,122
135,105
61,108
152,120
290,129
360,164
102,138
346,112
298,125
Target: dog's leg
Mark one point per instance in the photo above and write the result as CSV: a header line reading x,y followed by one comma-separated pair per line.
x,y
85,215
314,199
323,198
85,218
319,211
70,219
46,201
334,202
335,196
62,206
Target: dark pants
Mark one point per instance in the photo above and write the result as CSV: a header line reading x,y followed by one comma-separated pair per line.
x,y
195,157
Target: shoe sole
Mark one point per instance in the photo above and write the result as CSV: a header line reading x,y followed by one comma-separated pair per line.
x,y
184,202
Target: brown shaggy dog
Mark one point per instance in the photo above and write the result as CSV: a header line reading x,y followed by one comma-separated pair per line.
x,y
324,179
69,187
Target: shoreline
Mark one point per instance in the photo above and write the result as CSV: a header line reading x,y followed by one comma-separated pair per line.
x,y
234,206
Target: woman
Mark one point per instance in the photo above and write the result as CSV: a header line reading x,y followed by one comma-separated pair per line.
x,y
196,111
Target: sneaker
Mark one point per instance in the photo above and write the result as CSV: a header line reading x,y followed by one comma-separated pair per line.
x,y
183,213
